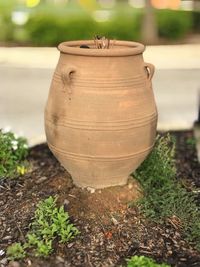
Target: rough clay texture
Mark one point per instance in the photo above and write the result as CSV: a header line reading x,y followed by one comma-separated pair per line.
x,y
100,117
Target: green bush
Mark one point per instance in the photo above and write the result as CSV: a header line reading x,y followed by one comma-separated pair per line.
x,y
49,25
51,29
124,26
196,21
6,25
174,24
13,152
142,261
164,197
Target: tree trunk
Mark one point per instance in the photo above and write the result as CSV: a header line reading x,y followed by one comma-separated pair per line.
x,y
149,25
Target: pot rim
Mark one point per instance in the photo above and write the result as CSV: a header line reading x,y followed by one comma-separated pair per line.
x,y
124,48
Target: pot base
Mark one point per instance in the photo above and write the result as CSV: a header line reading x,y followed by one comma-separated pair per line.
x,y
97,174
83,182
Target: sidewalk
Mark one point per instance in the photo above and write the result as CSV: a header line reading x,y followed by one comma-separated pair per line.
x,y
25,76
163,57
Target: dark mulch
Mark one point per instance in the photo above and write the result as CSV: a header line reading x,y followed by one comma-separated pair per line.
x,y
111,231
187,163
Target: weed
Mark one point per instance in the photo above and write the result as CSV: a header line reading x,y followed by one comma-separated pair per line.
x,y
164,197
49,223
16,252
13,151
142,261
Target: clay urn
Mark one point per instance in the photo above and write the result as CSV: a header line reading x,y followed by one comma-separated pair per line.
x,y
100,116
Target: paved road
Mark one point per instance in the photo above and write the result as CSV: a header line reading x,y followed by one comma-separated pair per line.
x,y
23,92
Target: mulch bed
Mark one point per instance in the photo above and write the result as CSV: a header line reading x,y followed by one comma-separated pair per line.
x,y
111,230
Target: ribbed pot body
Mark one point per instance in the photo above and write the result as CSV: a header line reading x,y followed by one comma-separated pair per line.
x,y
101,117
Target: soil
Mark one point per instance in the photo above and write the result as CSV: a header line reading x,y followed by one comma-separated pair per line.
x,y
111,229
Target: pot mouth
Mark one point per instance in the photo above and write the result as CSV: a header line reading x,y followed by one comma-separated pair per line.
x,y
117,48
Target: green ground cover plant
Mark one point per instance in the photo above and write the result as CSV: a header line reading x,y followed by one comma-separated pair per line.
x,y
13,153
16,252
50,222
164,196
191,141
142,261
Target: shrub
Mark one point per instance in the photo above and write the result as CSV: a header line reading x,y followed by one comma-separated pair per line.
x,y
122,26
173,24
13,151
49,25
196,21
157,175
49,223
142,261
164,197
51,29
6,25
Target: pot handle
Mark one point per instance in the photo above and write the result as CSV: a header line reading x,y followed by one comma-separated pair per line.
x,y
150,70
66,76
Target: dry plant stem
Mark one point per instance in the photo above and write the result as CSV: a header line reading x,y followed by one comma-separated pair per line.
x,y
108,46
113,44
20,231
88,260
101,42
3,232
175,221
101,224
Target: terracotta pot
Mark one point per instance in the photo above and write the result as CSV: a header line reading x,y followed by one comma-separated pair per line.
x,y
100,117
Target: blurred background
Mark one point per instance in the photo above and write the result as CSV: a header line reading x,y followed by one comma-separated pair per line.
x,y
31,29
48,22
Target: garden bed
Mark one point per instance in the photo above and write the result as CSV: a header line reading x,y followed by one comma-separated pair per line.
x,y
111,230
